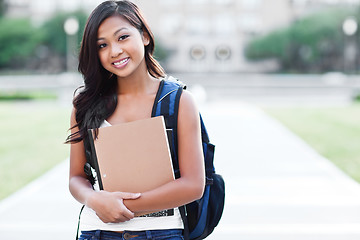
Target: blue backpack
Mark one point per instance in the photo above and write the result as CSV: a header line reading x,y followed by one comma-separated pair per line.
x,y
202,216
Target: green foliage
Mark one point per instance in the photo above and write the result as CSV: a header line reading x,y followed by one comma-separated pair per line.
x,y
24,46
3,7
314,43
160,52
357,97
55,36
18,40
273,45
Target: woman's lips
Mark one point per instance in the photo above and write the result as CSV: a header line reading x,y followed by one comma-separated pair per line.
x,y
121,63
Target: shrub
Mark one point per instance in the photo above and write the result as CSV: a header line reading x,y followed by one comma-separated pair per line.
x,y
311,44
55,36
18,40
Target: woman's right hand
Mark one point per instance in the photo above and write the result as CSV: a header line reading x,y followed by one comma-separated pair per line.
x,y
109,206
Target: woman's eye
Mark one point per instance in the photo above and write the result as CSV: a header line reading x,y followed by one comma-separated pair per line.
x,y
123,37
102,45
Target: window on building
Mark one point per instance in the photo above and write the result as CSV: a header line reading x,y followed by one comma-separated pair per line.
x,y
17,2
171,23
198,2
197,25
223,2
251,4
250,22
224,24
299,2
170,2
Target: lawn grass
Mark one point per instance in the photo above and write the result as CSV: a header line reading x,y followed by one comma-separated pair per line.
x,y
26,95
31,142
32,136
334,132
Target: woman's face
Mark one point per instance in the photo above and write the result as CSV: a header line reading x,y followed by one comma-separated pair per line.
x,y
121,46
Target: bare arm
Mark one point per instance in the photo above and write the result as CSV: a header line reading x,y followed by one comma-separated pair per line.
x,y
190,185
108,206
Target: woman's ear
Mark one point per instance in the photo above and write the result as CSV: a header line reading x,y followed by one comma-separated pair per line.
x,y
145,38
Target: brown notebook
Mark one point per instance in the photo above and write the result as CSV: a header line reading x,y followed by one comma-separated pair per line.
x,y
132,157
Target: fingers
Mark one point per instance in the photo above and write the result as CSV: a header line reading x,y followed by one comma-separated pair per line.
x,y
117,214
111,208
127,195
112,220
126,214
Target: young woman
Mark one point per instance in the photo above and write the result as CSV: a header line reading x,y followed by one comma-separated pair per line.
x,y
121,81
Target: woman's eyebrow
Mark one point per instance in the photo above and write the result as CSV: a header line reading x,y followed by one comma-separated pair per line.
x,y
119,30
115,33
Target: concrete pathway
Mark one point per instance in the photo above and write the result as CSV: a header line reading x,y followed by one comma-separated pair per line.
x,y
42,210
277,187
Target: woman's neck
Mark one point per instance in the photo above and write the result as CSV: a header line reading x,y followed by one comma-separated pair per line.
x,y
139,82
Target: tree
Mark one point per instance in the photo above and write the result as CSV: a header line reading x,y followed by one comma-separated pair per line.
x,y
55,36
26,47
18,40
3,7
23,46
312,44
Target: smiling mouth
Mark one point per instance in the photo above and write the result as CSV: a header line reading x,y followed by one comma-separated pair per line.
x,y
121,62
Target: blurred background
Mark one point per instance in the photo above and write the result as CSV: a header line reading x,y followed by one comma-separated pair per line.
x,y
251,36
296,46
296,61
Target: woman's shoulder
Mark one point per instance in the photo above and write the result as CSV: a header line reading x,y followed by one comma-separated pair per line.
x,y
187,97
187,106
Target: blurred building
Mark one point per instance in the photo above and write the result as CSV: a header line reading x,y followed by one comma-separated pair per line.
x,y
40,10
209,35
200,35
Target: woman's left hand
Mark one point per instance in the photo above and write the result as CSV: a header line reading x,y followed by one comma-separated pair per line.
x,y
109,206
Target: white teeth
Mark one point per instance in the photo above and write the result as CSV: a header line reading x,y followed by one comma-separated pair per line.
x,y
121,62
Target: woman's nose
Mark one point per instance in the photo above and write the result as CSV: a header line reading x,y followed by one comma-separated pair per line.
x,y
116,50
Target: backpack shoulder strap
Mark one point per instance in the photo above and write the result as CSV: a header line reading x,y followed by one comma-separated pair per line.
x,y
168,97
167,104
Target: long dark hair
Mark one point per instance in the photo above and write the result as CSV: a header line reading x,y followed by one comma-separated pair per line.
x,y
97,99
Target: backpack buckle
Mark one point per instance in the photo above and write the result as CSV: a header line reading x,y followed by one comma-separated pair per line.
x,y
209,181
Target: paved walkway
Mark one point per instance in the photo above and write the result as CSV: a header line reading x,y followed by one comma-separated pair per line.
x,y
277,187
